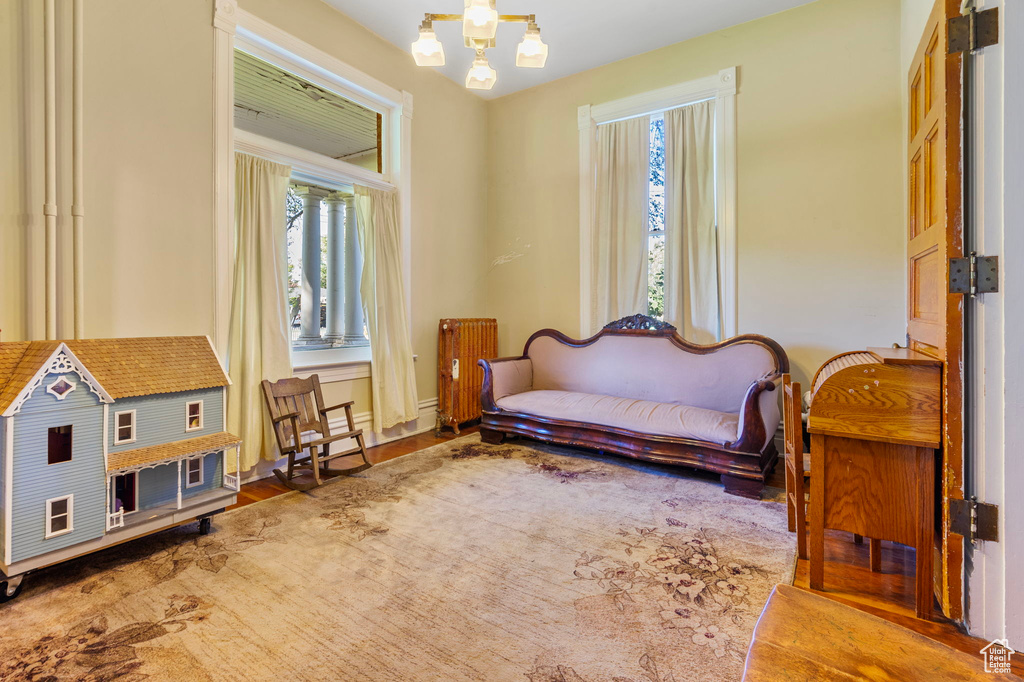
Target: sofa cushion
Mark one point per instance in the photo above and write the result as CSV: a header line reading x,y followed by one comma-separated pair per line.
x,y
651,368
644,416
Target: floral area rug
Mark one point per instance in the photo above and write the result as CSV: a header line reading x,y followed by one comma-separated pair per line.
x,y
464,561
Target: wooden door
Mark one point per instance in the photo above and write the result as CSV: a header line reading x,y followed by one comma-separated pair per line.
x,y
935,234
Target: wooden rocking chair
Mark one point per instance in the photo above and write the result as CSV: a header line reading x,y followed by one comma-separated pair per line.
x,y
296,407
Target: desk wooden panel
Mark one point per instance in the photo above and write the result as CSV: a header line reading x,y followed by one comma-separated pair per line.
x,y
874,430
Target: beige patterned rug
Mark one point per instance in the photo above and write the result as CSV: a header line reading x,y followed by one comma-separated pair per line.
x,y
464,561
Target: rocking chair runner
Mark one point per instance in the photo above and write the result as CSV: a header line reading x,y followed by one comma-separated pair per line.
x,y
296,407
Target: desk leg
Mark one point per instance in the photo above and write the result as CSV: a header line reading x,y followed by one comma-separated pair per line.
x,y
875,555
926,531
817,544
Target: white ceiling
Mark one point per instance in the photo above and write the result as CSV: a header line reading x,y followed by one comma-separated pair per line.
x,y
582,34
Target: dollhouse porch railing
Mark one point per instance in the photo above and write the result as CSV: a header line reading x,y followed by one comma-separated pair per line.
x,y
231,481
115,520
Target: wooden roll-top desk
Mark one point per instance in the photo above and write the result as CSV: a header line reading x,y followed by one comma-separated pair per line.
x,y
876,425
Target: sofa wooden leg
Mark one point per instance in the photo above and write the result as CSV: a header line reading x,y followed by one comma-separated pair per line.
x,y
744,487
492,437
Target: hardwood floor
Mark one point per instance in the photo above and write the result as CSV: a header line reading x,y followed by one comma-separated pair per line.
x,y
848,578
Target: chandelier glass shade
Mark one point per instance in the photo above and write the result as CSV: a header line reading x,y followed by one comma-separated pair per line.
x,y
428,50
532,52
480,20
479,27
481,76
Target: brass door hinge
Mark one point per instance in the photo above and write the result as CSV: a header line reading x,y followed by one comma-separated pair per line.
x,y
973,31
974,275
974,520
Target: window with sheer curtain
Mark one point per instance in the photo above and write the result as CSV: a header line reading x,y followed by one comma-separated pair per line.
x,y
657,208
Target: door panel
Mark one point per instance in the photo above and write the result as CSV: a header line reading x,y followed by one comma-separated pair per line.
x,y
934,235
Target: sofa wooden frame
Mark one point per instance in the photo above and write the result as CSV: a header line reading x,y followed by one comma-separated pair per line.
x,y
743,463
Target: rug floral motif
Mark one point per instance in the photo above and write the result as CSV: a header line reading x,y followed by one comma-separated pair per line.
x,y
465,561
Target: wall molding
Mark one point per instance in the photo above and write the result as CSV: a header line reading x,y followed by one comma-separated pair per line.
x,y
424,422
721,87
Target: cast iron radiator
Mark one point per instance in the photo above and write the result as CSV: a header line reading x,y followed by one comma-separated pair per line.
x,y
461,342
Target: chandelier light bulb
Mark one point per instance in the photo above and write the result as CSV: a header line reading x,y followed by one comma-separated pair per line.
x,y
427,50
480,20
532,52
481,76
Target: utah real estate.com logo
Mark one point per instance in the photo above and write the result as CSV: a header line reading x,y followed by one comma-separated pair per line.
x,y
997,656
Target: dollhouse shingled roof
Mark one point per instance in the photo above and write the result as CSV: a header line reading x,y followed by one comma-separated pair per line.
x,y
123,367
127,459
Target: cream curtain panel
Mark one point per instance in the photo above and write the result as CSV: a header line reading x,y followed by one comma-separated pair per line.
x,y
692,301
392,374
618,269
258,346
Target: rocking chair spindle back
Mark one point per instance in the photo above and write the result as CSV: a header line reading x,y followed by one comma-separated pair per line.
x,y
300,422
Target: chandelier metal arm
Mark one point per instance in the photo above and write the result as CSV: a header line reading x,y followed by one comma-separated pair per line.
x,y
504,18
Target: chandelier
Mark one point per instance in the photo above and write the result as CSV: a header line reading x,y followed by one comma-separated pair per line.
x,y
479,26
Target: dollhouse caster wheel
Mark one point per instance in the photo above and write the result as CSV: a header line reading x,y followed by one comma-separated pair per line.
x,y
10,589
204,526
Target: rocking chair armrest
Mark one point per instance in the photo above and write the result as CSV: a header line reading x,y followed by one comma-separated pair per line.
x,y
281,418
332,408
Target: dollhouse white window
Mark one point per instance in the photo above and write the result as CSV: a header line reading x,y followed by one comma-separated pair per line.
x,y
194,473
60,515
124,427
194,416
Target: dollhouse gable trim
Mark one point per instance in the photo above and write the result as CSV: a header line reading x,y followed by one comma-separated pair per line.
x,y
60,361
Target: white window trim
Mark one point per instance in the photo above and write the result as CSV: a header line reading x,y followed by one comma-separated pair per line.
x,y
188,463
70,515
721,88
188,404
117,427
234,27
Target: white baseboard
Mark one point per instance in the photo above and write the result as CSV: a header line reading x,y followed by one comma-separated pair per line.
x,y
424,422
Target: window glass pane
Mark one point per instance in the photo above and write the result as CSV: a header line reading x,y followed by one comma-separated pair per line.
x,y
656,275
58,523
274,103
656,224
58,507
124,419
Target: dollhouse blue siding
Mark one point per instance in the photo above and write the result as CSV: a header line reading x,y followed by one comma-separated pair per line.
x,y
37,481
159,485
213,476
160,418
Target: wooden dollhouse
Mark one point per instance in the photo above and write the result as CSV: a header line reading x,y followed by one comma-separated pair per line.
x,y
105,440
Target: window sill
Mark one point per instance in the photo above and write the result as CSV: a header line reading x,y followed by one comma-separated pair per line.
x,y
332,364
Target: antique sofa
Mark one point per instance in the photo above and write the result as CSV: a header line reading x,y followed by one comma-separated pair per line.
x,y
639,389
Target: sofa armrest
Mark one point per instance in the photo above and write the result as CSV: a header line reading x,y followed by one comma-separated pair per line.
x,y
503,377
759,415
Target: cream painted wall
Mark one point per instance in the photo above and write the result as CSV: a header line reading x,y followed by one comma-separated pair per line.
x,y
820,190
149,171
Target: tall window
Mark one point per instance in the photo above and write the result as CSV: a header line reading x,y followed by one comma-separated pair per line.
x,y
324,263
656,221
